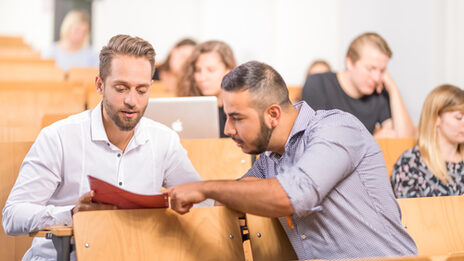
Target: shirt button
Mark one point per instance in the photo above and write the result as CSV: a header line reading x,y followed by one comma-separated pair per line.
x,y
120,183
108,143
303,236
119,155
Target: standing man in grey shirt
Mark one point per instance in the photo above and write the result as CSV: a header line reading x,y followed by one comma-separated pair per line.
x,y
321,168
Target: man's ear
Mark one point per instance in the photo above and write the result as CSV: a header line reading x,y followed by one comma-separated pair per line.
x,y
273,114
438,122
349,63
99,84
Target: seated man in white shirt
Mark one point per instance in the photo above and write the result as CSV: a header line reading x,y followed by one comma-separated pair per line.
x,y
111,142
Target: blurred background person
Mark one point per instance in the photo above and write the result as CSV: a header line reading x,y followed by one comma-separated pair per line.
x,y
318,66
364,88
73,50
203,73
170,70
434,167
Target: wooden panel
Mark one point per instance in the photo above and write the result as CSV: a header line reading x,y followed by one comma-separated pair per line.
x,y
18,52
24,103
435,223
158,234
29,71
392,148
6,40
80,74
294,93
12,155
268,239
49,119
217,158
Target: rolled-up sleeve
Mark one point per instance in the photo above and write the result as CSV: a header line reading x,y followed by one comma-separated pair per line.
x,y
330,154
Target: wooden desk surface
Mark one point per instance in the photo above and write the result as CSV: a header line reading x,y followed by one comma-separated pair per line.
x,y
60,231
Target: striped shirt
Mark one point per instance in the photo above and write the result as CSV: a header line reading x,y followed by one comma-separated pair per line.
x,y
334,174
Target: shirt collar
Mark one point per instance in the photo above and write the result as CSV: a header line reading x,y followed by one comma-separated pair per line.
x,y
98,133
301,123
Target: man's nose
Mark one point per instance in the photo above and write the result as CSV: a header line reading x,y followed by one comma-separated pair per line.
x,y
229,130
130,98
377,76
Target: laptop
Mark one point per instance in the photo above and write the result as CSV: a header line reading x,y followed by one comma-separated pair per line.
x,y
190,117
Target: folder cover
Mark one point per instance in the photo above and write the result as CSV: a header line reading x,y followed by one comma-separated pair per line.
x,y
123,199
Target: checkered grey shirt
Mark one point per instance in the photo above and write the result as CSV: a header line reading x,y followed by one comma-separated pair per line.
x,y
334,174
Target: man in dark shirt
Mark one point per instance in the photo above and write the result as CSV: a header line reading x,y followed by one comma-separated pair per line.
x,y
364,89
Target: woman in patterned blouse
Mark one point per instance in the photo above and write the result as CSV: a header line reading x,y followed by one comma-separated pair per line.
x,y
435,167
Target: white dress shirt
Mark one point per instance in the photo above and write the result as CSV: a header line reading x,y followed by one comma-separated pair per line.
x,y
54,173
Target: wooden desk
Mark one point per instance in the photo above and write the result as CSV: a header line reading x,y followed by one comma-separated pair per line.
x,y
61,238
205,233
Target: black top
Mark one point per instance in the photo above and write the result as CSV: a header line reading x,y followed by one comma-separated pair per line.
x,y
156,76
222,122
323,92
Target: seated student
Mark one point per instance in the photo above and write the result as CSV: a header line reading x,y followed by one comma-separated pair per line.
x,y
318,66
435,166
73,50
204,71
342,210
112,142
170,70
364,89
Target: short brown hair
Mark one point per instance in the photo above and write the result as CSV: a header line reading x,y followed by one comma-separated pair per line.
x,y
125,45
373,39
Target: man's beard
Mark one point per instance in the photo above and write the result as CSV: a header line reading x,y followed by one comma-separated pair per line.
x,y
261,143
123,123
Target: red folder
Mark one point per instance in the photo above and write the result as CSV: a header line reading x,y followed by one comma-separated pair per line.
x,y
123,199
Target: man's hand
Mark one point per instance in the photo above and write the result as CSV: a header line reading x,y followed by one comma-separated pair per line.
x,y
184,196
85,204
387,82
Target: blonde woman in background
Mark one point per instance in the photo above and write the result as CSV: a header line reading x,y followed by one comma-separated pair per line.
x,y
73,50
203,73
435,167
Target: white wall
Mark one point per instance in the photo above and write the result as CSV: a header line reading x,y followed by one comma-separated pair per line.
x,y
286,34
32,20
425,35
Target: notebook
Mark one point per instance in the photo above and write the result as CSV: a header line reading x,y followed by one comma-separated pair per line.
x,y
190,117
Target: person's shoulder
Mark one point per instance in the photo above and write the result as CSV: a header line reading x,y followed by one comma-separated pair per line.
x,y
71,121
336,117
411,154
321,78
65,128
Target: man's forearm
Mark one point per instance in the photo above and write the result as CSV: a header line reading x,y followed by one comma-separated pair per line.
x,y
264,197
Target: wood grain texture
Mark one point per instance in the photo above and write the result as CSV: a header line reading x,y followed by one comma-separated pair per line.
x,y
268,239
12,155
392,149
25,103
158,234
435,223
21,69
217,158
294,93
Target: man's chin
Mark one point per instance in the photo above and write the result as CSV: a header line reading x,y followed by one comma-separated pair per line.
x,y
125,125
